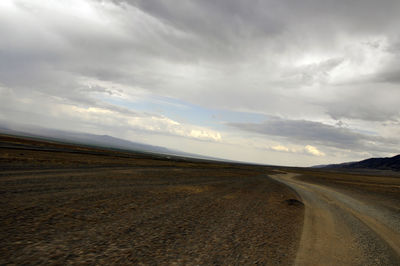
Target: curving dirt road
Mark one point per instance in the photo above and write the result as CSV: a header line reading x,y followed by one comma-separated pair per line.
x,y
340,229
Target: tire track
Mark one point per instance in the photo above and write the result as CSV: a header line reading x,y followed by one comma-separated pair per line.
x,y
340,230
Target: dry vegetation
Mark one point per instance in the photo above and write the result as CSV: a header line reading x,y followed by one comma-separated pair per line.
x,y
67,204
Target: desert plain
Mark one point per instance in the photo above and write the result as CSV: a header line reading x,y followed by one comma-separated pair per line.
x,y
62,203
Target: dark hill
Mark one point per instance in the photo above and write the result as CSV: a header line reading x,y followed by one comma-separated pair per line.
x,y
390,163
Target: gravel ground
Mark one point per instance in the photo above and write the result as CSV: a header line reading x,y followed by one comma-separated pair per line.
x,y
102,207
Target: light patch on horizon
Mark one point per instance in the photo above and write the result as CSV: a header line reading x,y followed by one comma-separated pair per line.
x,y
280,148
314,151
308,149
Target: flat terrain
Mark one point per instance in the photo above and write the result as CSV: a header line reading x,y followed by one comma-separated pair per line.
x,y
68,204
64,204
350,218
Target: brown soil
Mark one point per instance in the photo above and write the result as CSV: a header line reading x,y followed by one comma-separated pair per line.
x,y
64,204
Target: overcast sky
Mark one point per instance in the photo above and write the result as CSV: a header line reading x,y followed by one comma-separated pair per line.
x,y
275,81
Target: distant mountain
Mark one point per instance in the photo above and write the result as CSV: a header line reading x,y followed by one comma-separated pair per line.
x,y
93,140
389,163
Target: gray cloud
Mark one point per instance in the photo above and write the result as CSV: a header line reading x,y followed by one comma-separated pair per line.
x,y
392,76
309,132
368,102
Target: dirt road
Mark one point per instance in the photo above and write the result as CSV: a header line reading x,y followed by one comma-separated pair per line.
x,y
343,229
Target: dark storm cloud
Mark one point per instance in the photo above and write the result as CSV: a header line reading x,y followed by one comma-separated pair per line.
x,y
376,102
266,17
354,111
392,76
391,72
221,21
191,32
309,132
229,30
